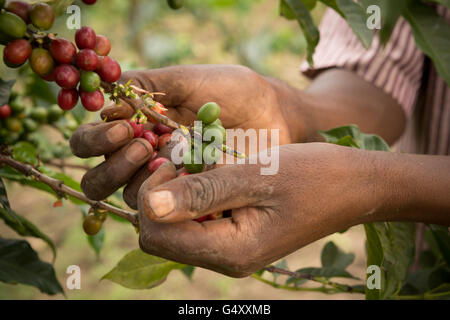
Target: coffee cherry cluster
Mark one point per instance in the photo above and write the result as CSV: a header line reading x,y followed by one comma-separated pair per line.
x,y
78,72
18,120
211,129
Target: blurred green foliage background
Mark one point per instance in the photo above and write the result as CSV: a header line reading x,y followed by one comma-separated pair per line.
x,y
148,34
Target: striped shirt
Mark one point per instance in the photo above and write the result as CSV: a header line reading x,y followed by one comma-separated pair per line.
x,y
401,70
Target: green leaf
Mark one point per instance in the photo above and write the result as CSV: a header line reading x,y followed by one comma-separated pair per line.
x,y
19,263
188,271
432,35
327,272
391,11
398,243
96,242
374,257
332,256
138,270
333,5
25,228
5,90
356,17
42,92
25,152
306,23
351,136
442,239
5,202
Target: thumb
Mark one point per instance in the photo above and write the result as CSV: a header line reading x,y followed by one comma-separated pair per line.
x,y
194,196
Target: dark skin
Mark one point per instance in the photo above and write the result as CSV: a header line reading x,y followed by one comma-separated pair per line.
x,y
275,215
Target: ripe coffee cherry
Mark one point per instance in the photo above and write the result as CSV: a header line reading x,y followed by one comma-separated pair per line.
x,y
202,219
138,128
87,60
151,137
63,51
12,25
5,111
20,8
109,70
41,62
90,81
92,225
89,2
92,101
155,164
50,77
161,129
17,52
67,98
209,113
85,38
42,16
102,45
175,4
67,76
164,139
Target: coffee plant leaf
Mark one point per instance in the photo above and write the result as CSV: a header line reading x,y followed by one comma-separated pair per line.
x,y
302,15
442,238
188,271
332,256
138,270
43,93
5,90
432,35
333,5
356,17
26,228
4,201
19,263
96,242
24,151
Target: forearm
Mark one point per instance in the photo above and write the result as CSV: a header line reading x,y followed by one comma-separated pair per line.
x,y
337,98
416,188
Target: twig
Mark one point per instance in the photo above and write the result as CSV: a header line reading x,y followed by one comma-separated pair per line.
x,y
290,288
61,189
322,280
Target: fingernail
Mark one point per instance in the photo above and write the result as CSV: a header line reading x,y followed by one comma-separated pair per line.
x,y
117,134
161,202
136,152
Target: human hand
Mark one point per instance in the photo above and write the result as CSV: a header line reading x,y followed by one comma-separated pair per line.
x,y
320,189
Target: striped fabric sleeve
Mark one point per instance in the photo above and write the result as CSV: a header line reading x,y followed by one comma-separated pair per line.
x,y
396,68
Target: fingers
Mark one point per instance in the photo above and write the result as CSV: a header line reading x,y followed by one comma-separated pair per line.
x,y
98,138
113,111
195,196
103,180
131,190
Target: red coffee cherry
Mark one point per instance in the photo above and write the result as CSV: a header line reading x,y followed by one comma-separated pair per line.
x,y
138,128
164,139
109,70
63,51
87,60
20,8
161,129
67,98
92,101
17,52
89,2
151,137
202,219
155,164
67,76
102,45
5,111
85,38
